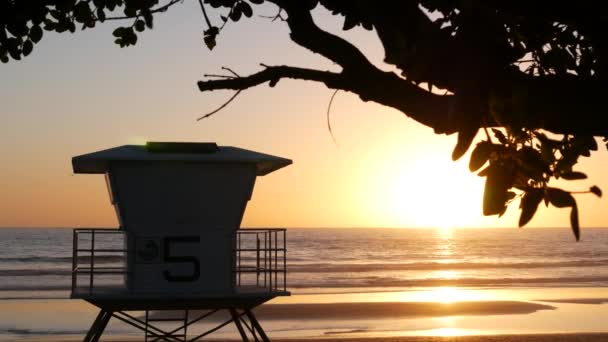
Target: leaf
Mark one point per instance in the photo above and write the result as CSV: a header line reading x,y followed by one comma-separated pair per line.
x,y
465,138
559,198
101,15
212,31
140,25
118,32
148,18
573,175
209,41
565,163
28,46
36,34
529,204
235,14
483,172
499,180
4,59
510,195
480,155
15,53
246,9
257,2
500,136
574,222
532,163
349,23
130,11
596,191
82,11
56,14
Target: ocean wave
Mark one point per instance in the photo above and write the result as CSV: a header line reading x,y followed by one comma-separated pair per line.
x,y
384,282
34,272
36,287
461,282
438,266
26,332
62,259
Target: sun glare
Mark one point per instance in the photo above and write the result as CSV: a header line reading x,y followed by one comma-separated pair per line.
x,y
431,191
449,295
447,332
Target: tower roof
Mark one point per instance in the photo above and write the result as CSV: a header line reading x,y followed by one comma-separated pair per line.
x,y
98,162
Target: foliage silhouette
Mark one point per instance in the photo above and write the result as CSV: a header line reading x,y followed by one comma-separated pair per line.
x,y
536,70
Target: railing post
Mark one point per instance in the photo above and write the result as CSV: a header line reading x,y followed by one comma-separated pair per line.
x,y
238,267
257,260
91,261
276,259
74,258
269,255
265,258
284,260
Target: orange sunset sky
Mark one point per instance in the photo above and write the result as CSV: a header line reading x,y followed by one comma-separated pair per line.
x,y
79,93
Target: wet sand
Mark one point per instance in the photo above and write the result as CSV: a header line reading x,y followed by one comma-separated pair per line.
x,y
581,316
485,338
387,310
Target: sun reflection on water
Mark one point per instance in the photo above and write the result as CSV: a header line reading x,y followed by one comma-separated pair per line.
x,y
447,332
448,295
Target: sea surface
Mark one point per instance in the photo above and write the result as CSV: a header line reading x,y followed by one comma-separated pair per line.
x,y
35,265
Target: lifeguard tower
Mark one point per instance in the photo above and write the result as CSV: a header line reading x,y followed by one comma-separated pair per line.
x,y
178,256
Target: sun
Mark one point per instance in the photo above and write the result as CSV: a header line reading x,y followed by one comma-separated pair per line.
x,y
428,191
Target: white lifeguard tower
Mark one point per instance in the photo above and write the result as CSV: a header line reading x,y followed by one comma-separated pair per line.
x,y
179,248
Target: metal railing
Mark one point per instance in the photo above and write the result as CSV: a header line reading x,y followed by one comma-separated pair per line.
x,y
97,252
260,260
99,261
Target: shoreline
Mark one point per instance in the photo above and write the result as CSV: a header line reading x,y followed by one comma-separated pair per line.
x,y
439,314
556,337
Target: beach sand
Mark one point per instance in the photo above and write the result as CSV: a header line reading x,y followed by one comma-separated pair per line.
x,y
365,317
484,338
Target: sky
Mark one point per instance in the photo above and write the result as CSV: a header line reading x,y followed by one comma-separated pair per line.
x,y
79,93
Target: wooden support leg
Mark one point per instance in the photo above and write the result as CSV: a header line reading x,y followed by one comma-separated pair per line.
x,y
256,325
98,326
237,321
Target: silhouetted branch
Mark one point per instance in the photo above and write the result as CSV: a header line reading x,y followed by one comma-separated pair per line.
x,y
271,74
232,71
275,17
156,10
331,100
220,107
550,101
205,13
307,34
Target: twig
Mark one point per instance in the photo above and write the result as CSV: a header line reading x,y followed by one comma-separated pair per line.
x,y
231,71
221,107
205,13
228,16
277,16
159,9
218,76
485,129
331,100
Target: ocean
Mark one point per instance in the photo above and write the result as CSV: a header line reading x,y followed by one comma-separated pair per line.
x,y
35,264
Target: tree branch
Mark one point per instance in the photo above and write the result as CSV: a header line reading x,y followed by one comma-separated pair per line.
x,y
273,74
445,114
155,10
307,34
